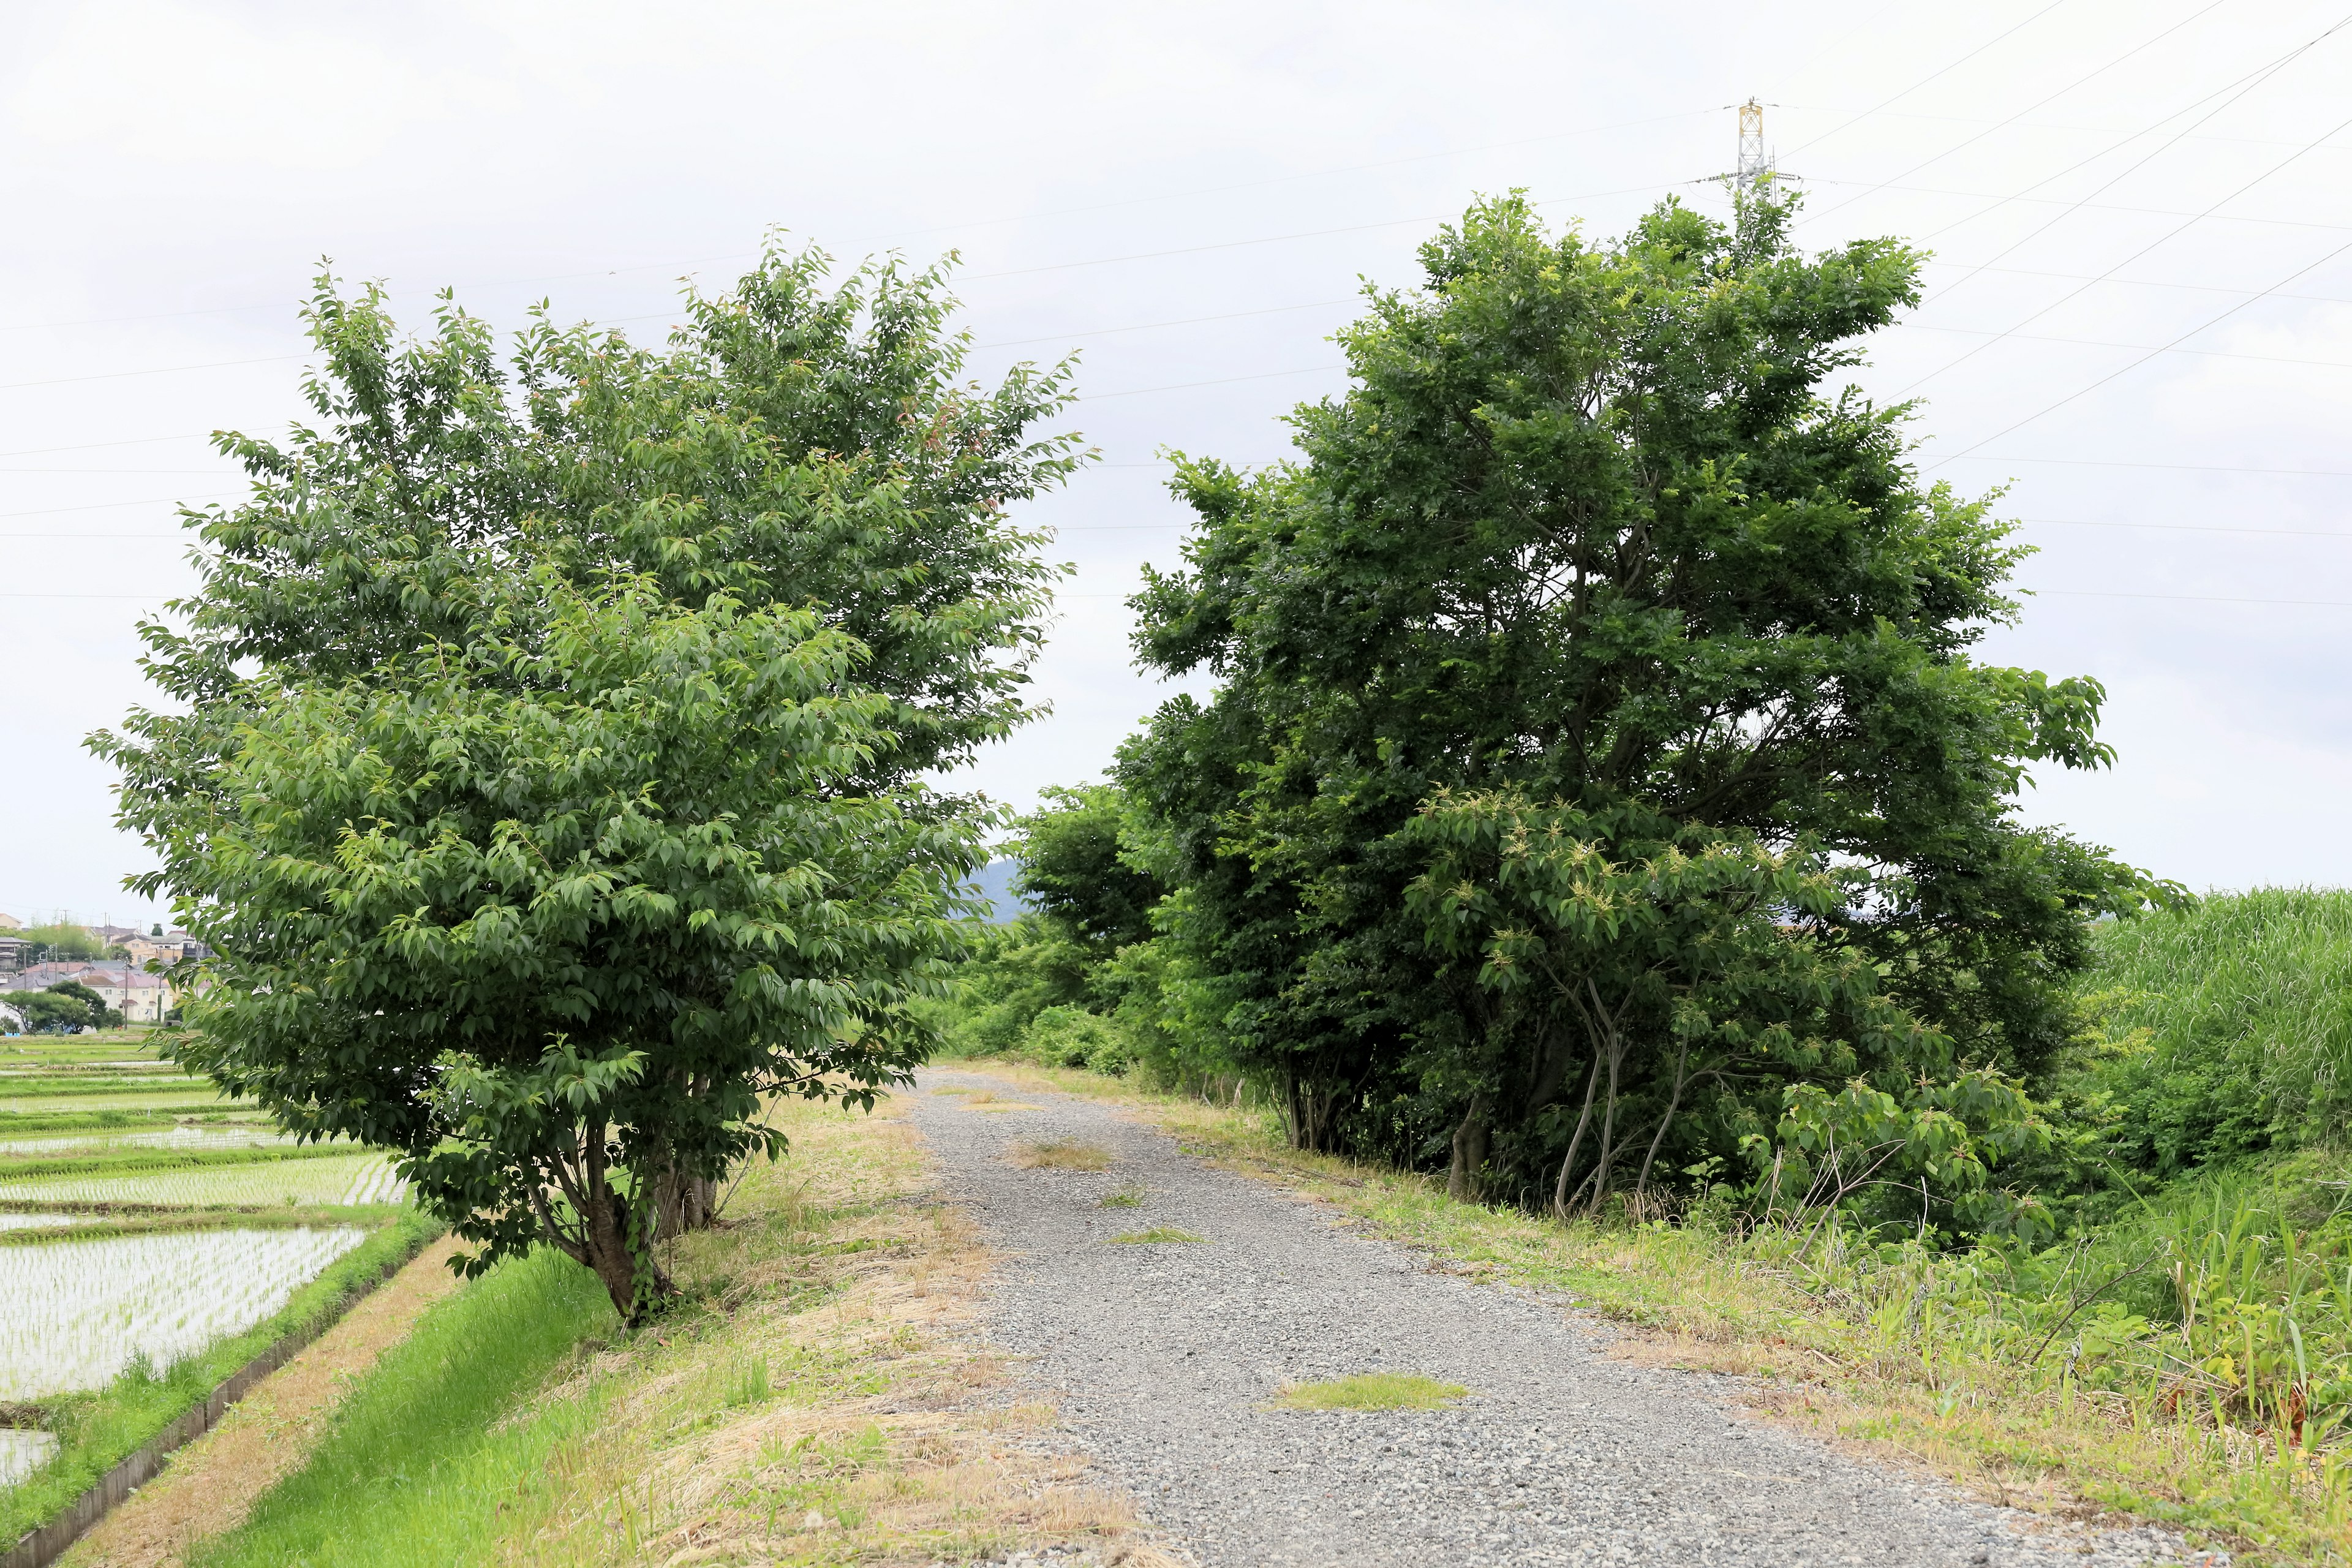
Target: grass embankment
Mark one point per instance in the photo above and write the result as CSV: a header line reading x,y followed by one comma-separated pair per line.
x,y
1998,1370
812,1399
97,1431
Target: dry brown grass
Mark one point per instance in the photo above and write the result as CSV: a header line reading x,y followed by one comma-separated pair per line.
x,y
1060,1154
829,1404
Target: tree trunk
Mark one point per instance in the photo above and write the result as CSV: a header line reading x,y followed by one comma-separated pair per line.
x,y
1642,1181
1469,1152
597,1234
1608,1126
1583,1120
683,1202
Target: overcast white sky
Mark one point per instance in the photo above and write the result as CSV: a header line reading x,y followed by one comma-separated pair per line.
x,y
1189,195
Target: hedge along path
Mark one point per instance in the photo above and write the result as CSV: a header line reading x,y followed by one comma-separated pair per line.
x,y
209,1485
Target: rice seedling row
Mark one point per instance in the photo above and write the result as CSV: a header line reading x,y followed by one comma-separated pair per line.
x,y
99,1140
79,1311
336,1179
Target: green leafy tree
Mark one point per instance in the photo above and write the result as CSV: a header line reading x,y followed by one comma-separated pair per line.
x,y
1590,530
550,917
1076,869
60,942
53,1010
448,515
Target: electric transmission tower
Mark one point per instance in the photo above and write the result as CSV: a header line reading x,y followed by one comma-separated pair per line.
x,y
1756,170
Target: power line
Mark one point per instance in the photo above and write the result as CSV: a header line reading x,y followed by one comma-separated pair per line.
x,y
2125,370
1311,174
2100,343
94,445
2037,103
2151,283
1221,381
2182,598
1282,238
158,369
2080,206
936,228
2251,80
114,505
2173,467
2170,235
1930,77
1150,326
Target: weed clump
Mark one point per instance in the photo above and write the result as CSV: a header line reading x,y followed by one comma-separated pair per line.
x,y
1155,1236
1370,1391
1060,1154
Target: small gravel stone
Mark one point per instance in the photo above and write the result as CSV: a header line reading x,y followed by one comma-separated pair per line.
x,y
1162,1359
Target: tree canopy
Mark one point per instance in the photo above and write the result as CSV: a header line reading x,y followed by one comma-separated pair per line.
x,y
1595,703
547,756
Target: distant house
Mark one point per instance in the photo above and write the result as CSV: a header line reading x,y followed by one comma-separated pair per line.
x,y
10,923
166,949
139,996
14,954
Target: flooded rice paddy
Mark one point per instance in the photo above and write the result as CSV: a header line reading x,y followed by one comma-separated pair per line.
x,y
21,1451
202,1247
339,1179
78,1311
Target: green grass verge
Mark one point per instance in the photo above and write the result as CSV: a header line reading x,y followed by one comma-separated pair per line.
x,y
97,1431
412,1470
16,1124
1371,1391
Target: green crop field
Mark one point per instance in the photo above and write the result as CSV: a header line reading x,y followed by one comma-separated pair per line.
x,y
147,1224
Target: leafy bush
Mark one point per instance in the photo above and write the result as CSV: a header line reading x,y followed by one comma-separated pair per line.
x,y
1071,1038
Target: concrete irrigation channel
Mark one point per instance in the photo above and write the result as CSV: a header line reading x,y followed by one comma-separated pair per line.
x,y
1163,1359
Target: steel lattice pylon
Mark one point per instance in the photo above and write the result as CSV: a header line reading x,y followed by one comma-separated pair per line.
x,y
1755,164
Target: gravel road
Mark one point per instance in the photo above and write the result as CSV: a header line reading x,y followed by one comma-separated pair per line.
x,y
1162,1357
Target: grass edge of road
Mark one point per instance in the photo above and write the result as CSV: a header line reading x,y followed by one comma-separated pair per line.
x,y
1690,1300
815,1398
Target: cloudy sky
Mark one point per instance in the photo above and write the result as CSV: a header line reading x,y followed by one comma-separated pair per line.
x,y
2138,318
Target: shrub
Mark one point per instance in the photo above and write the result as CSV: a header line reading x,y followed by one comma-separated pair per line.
x,y
1072,1037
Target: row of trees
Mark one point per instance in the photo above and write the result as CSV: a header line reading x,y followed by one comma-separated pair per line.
x,y
1598,787
543,756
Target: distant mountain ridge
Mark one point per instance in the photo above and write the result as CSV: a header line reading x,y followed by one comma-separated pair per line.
x,y
993,883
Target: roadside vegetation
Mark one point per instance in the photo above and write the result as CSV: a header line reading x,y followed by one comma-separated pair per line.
x,y
814,1396
2179,1346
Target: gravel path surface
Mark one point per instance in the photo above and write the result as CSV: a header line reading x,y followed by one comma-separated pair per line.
x,y
1162,1357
